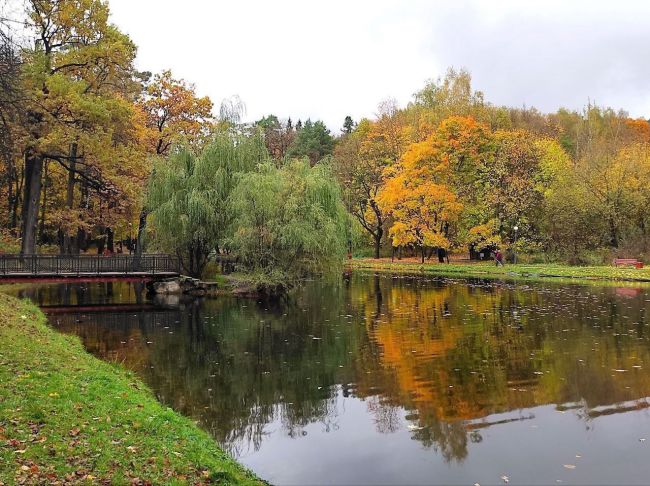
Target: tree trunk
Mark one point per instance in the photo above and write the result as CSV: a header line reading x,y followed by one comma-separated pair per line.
x,y
613,233
41,231
83,237
378,242
82,241
110,240
20,183
380,228
142,227
67,245
11,195
31,201
422,251
13,221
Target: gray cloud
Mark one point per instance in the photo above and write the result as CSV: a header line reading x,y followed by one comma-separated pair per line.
x,y
327,60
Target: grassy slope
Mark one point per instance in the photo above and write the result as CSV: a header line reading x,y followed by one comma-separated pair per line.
x,y
488,269
66,415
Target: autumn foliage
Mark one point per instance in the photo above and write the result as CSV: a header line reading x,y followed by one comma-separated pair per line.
x,y
451,172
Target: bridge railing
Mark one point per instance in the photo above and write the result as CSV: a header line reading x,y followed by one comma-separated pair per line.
x,y
88,264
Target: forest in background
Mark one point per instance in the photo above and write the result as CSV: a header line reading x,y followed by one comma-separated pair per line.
x,y
452,171
99,156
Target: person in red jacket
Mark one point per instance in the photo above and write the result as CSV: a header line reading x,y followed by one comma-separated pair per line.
x,y
498,258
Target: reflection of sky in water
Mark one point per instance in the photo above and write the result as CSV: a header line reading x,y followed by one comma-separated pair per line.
x,y
394,380
532,447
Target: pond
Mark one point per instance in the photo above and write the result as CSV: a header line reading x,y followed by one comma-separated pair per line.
x,y
385,380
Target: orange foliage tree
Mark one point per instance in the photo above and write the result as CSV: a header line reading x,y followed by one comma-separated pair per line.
x,y
419,200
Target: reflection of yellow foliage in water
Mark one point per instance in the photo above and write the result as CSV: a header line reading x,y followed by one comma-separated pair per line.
x,y
462,352
415,331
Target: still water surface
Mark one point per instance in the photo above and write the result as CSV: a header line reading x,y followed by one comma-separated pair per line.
x,y
394,380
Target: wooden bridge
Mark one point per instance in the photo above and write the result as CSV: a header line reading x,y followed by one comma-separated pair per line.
x,y
80,266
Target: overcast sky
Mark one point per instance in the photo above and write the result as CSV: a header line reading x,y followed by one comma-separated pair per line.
x,y
325,60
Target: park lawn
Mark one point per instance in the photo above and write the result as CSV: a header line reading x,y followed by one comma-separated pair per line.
x,y
489,269
67,416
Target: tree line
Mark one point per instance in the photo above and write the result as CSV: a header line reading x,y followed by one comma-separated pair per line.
x,y
93,152
82,131
452,172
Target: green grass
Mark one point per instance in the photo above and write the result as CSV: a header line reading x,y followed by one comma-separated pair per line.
x,y
69,417
523,271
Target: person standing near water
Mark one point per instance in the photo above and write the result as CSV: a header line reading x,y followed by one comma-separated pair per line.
x,y
498,258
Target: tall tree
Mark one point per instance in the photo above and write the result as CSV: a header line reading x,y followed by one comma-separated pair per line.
x,y
348,125
361,161
451,95
278,136
11,122
361,175
419,198
313,140
174,114
79,73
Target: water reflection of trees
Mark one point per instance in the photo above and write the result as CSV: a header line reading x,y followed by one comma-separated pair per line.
x,y
450,355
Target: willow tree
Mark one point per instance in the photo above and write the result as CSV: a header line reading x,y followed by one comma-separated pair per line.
x,y
189,196
290,222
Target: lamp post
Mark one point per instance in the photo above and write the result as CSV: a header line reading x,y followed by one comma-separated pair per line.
x,y
516,228
349,189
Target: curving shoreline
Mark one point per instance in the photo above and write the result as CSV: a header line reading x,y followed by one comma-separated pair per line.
x,y
516,272
67,416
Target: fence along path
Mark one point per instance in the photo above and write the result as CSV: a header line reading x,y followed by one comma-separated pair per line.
x,y
88,265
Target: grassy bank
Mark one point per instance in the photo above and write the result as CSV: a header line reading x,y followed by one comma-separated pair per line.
x,y
488,269
67,416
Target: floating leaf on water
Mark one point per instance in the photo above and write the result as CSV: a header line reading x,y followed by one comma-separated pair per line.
x,y
570,466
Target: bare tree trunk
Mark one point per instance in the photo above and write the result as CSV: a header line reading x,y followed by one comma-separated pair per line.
x,y
16,198
67,243
11,195
82,240
31,201
110,243
378,242
142,227
41,230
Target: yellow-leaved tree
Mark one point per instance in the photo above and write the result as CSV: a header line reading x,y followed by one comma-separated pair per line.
x,y
418,199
